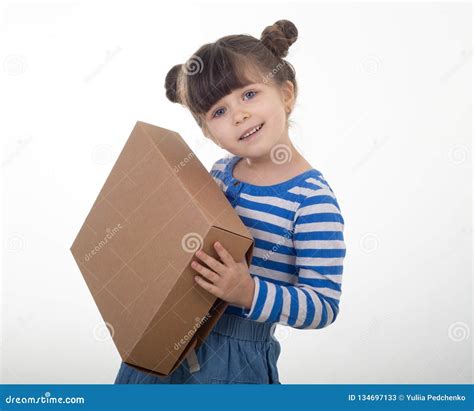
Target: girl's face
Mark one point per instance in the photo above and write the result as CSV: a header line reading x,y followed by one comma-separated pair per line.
x,y
256,105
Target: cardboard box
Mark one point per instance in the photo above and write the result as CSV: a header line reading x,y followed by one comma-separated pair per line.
x,y
158,206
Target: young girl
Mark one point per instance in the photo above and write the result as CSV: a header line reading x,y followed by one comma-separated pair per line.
x,y
241,91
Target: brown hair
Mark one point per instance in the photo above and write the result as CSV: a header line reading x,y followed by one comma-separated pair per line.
x,y
218,68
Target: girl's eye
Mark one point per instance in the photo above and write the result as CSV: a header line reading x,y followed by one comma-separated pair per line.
x,y
251,91
216,112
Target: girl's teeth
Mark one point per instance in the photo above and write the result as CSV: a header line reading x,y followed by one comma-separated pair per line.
x,y
248,134
251,132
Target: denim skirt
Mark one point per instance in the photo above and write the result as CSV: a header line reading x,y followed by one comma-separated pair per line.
x,y
236,351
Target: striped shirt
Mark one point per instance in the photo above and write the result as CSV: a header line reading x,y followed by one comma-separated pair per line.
x,y
299,249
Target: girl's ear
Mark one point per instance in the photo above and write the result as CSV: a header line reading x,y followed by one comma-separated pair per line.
x,y
288,95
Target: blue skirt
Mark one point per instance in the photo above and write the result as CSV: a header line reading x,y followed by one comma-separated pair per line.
x,y
237,351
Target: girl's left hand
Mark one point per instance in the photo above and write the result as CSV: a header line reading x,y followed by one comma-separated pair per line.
x,y
230,281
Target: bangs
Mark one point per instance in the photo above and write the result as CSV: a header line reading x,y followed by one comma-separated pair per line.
x,y
222,72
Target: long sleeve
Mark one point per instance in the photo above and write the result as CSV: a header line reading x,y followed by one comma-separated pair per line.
x,y
318,238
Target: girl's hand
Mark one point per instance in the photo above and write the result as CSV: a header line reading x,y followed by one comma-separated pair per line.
x,y
229,281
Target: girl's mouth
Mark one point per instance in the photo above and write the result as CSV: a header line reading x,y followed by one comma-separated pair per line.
x,y
251,135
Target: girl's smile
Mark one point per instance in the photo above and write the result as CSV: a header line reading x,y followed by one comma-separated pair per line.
x,y
251,135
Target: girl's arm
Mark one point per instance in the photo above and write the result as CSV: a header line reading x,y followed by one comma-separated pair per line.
x,y
313,302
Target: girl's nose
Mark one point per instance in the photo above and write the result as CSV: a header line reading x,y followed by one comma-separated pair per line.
x,y
240,117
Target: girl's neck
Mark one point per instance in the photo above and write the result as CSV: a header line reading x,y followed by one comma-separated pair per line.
x,y
281,158
265,171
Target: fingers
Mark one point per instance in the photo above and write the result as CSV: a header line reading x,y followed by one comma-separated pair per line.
x,y
205,272
225,256
207,286
211,262
212,275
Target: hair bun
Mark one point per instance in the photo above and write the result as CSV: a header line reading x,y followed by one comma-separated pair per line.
x,y
171,82
279,37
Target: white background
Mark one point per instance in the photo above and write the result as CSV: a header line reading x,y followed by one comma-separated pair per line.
x,y
384,112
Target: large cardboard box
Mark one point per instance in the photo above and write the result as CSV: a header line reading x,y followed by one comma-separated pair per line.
x,y
158,206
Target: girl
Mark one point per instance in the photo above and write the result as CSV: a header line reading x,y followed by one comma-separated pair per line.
x,y
241,91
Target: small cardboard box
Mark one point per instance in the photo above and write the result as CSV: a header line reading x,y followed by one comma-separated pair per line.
x,y
158,206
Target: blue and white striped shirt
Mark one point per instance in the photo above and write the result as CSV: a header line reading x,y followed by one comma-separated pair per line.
x,y
297,261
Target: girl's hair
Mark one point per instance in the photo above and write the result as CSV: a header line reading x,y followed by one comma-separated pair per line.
x,y
232,62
